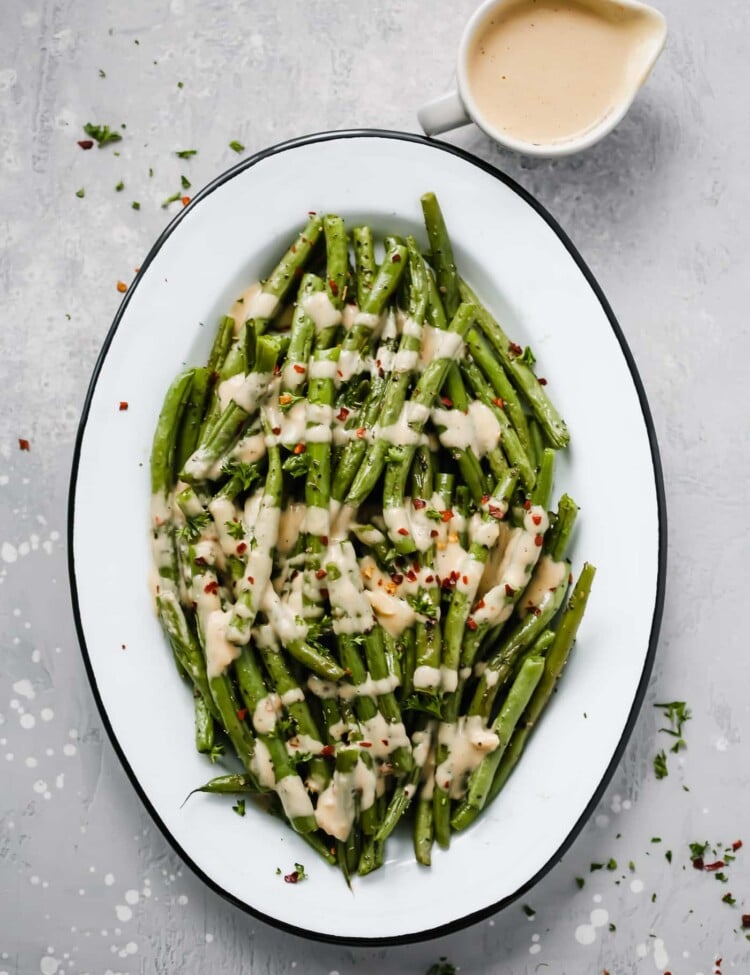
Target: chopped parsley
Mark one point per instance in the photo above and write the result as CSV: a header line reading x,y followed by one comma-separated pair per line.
x,y
101,73
135,205
660,765
239,807
120,187
235,529
668,856
216,752
611,864
194,525
529,911
677,713
101,134
236,146
180,85
186,153
728,899
296,875
81,193
442,967
580,883
185,182
171,199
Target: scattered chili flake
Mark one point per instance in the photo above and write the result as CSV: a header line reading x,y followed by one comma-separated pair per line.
x,y
242,714
430,578
327,750
446,515
365,744
334,287
211,587
236,146
471,624
434,533
396,259
362,433
737,845
514,348
300,448
285,399
542,381
251,580
275,431
122,287
184,200
296,875
480,604
242,548
298,368
746,920
86,143
446,401
123,405
509,590
320,574
527,504
342,414
538,539
324,539
716,865
496,511
698,863
23,444
484,499
537,519
419,503
499,401
411,575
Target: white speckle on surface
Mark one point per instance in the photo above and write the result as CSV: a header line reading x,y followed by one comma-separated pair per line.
x,y
24,688
27,721
46,714
131,948
60,780
721,744
31,762
123,912
69,750
599,917
49,965
641,950
8,552
34,880
182,899
636,885
109,879
209,937
132,897
36,656
626,804
40,786
597,898
534,949
602,820
585,934
661,958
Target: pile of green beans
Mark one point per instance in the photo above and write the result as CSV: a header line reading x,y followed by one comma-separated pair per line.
x,y
358,566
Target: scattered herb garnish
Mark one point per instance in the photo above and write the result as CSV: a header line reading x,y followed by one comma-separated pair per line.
x,y
442,967
101,73
120,186
527,357
135,205
81,193
612,927
185,182
170,199
101,134
728,899
529,911
660,765
216,752
595,866
180,85
580,883
194,525
611,864
235,529
236,146
668,856
239,807
150,172
677,713
186,153
296,875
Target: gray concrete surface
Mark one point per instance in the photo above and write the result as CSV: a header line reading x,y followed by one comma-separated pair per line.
x,y
660,212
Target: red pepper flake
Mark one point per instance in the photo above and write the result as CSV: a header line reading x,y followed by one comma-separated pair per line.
x,y
242,548
285,399
300,448
361,432
86,143
446,515
298,368
737,845
499,402
746,920
448,583
419,503
184,200
485,499
542,381
514,348
698,863
480,604
251,580
328,750
122,287
465,580
430,578
293,248
321,574
527,504
496,511
434,533
342,414
716,865
538,539
312,213
509,590
396,259
471,624
23,444
123,405
291,878
536,611
446,401
397,578
324,539
211,587
365,744
334,287
411,575
537,519
403,531
242,714
277,370
275,431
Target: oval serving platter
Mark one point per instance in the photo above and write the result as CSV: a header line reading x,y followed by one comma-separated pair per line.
x,y
529,274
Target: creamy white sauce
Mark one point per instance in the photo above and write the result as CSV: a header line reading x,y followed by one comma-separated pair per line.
x,y
323,369
440,344
407,430
478,429
224,512
337,803
294,798
385,737
426,678
350,608
366,320
293,375
468,741
249,449
220,653
317,521
281,616
291,522
261,305
321,310
348,314
547,577
266,712
483,531
406,360
262,767
246,391
239,310
411,329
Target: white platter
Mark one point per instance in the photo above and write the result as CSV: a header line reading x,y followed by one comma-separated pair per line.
x,y
529,274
